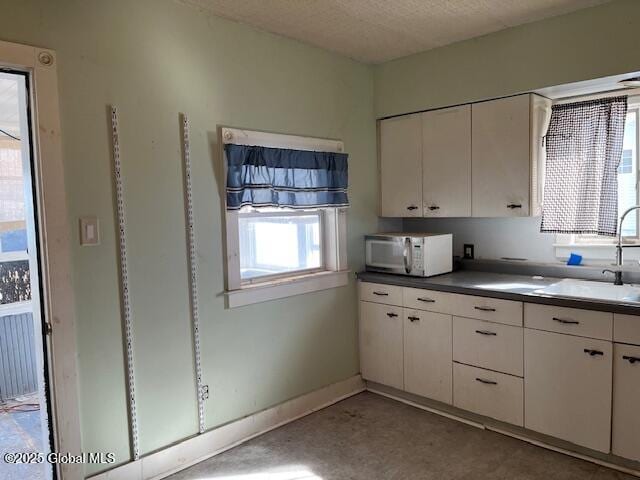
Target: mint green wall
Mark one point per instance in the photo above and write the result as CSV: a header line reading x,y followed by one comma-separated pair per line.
x,y
587,44
154,59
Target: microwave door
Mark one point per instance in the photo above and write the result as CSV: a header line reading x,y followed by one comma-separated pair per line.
x,y
386,255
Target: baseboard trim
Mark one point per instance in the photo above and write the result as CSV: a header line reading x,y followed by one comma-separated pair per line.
x,y
193,450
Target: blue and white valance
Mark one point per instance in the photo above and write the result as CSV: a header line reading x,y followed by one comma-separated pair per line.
x,y
279,177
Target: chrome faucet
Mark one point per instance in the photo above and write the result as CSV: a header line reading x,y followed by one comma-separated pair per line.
x,y
619,260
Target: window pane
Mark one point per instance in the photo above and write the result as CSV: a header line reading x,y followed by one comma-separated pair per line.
x,y
15,281
272,244
627,196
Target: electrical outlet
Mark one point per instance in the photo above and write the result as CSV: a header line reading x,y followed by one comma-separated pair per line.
x,y
468,251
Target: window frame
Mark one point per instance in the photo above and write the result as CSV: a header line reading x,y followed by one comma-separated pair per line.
x,y
598,248
284,212
335,272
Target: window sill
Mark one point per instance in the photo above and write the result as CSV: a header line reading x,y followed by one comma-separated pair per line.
x,y
603,252
287,287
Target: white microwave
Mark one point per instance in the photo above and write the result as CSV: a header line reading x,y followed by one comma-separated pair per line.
x,y
415,254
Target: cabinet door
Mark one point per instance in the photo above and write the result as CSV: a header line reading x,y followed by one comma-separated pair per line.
x,y
626,402
427,355
567,386
500,166
446,167
401,166
381,344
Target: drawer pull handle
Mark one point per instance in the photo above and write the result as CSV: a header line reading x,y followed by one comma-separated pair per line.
x,y
434,207
566,322
414,319
412,207
631,360
391,315
381,294
486,382
593,353
428,300
514,205
485,309
486,332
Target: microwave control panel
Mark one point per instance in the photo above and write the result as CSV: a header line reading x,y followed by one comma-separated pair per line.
x,y
418,262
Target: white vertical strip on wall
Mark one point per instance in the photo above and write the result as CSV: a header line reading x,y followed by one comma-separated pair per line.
x,y
124,280
193,275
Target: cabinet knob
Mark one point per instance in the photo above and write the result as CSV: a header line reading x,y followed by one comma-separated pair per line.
x,y
631,360
566,322
412,207
486,382
486,332
593,353
514,205
485,309
426,300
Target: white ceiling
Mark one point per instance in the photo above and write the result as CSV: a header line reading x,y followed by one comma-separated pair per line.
x,y
375,31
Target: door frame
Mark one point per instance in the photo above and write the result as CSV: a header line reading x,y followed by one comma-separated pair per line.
x,y
54,241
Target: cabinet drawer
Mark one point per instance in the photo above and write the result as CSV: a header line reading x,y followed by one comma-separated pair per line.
x,y
626,398
430,300
573,321
488,345
491,309
488,393
380,293
626,329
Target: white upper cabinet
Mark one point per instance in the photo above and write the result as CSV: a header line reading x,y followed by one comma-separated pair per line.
x,y
401,166
446,162
501,152
483,160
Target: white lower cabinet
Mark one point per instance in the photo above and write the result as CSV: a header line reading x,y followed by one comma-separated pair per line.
x,y
381,344
567,387
427,355
561,375
626,401
488,393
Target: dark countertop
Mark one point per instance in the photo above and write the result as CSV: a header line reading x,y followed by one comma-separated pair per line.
x,y
498,285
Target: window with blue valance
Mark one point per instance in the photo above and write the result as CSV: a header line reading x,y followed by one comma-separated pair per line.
x,y
277,177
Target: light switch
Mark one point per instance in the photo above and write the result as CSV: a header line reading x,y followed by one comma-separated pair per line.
x,y
89,231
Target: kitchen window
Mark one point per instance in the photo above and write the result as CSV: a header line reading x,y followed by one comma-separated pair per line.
x,y
275,243
596,247
285,216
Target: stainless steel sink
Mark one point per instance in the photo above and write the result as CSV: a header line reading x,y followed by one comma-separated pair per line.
x,y
590,290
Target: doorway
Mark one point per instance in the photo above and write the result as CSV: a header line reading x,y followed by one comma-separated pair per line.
x,y
25,408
